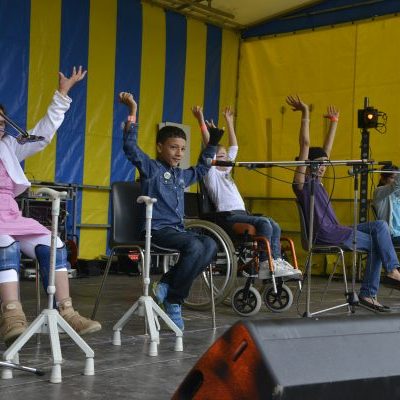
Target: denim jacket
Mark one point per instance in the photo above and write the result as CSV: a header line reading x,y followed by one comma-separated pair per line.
x,y
163,182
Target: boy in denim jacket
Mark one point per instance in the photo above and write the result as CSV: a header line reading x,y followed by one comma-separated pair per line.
x,y
163,179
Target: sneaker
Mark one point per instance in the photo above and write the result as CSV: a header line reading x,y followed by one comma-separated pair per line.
x,y
13,321
283,268
174,311
80,324
288,267
160,291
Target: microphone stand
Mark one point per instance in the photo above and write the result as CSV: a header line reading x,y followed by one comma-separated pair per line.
x,y
23,136
22,132
352,296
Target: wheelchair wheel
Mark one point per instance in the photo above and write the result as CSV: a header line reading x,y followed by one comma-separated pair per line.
x,y
246,304
280,301
224,270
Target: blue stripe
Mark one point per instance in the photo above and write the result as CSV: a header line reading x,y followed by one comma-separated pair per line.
x,y
128,55
127,79
14,51
175,63
71,135
329,12
213,73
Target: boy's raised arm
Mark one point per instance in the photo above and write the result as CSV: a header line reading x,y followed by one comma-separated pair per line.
x,y
304,137
228,115
198,114
333,115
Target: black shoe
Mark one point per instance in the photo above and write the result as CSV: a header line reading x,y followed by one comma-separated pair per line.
x,y
373,307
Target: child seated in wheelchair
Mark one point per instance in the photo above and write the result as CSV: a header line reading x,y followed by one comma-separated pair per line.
x,y
229,203
163,179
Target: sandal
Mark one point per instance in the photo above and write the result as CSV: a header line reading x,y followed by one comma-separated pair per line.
x,y
373,307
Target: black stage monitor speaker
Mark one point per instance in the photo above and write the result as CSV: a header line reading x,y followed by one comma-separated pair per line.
x,y
332,358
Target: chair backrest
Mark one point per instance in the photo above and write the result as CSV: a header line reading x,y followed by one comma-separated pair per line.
x,y
303,227
192,205
206,206
127,215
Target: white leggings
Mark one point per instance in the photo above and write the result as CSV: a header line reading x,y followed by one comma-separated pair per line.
x,y
27,244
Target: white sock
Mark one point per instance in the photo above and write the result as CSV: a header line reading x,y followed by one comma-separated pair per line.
x,y
8,275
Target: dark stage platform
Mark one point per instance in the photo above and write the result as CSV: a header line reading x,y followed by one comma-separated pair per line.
x,y
127,372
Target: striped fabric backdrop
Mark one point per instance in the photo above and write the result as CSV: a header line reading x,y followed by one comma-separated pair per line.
x,y
168,61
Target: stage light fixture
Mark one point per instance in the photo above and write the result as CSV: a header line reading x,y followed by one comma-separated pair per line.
x,y
368,118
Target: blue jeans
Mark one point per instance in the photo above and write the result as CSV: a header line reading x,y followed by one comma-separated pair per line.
x,y
396,240
374,237
196,252
266,227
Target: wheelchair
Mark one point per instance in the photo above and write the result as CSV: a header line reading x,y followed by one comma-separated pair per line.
x,y
238,254
246,300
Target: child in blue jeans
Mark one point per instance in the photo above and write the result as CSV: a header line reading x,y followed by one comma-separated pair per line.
x,y
163,179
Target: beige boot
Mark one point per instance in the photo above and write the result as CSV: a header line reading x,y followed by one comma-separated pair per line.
x,y
80,324
13,321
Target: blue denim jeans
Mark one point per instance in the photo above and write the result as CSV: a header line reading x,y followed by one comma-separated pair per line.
x,y
266,227
396,240
374,237
196,252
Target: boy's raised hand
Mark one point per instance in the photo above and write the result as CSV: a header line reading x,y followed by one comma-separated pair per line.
x,y
228,114
198,114
332,113
296,103
65,83
127,99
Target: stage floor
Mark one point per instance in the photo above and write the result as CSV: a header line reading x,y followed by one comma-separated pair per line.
x,y
127,372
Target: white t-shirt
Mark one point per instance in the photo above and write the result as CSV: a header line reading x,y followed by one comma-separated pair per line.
x,y
222,189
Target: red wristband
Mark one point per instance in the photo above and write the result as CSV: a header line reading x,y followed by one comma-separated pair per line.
x,y
203,127
131,118
334,119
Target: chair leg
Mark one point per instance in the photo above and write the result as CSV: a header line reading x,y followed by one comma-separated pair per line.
x,y
344,271
37,288
96,305
340,257
330,277
210,272
165,263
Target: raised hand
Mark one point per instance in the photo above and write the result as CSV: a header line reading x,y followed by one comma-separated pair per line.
x,y
296,103
65,83
228,114
127,99
198,114
332,113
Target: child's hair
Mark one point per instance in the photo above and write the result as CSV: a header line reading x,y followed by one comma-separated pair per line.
x,y
316,152
2,108
169,131
383,177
